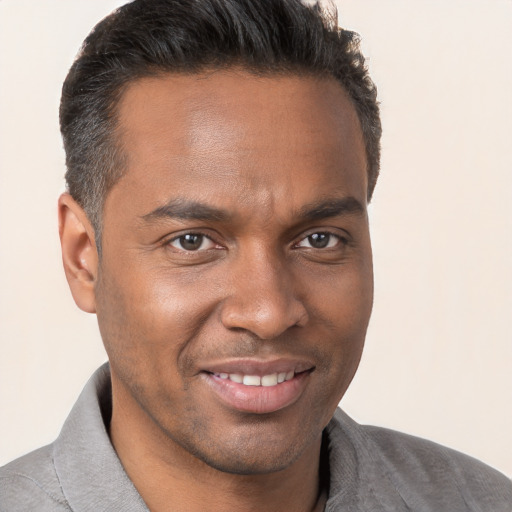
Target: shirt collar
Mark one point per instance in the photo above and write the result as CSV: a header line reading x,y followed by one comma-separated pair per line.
x,y
89,471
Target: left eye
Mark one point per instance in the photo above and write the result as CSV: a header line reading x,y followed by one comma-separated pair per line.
x,y
192,242
320,241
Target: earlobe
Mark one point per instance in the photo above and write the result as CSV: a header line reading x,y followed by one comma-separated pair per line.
x,y
79,253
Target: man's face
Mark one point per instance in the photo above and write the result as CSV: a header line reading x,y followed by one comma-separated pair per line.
x,y
236,248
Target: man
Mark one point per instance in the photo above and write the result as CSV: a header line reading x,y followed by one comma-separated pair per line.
x,y
220,158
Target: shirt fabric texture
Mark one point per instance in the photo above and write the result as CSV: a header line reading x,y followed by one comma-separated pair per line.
x,y
371,469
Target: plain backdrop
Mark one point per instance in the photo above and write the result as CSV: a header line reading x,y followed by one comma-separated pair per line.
x,y
438,361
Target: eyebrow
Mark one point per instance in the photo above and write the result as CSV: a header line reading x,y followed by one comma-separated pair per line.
x,y
185,209
331,208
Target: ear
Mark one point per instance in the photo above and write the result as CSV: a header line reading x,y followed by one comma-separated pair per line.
x,y
79,253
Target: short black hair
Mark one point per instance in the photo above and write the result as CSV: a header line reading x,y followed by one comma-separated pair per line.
x,y
150,37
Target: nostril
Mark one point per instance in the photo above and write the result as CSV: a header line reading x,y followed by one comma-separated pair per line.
x,y
266,319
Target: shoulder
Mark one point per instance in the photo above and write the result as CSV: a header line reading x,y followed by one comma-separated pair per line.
x,y
416,474
30,483
415,452
418,463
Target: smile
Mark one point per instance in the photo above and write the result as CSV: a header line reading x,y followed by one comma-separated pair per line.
x,y
273,379
256,387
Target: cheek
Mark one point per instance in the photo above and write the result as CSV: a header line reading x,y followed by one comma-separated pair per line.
x,y
341,317
146,324
343,296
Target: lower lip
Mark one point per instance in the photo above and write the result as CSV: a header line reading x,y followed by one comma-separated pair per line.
x,y
258,399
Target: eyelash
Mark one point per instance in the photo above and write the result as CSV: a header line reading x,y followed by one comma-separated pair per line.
x,y
191,234
340,240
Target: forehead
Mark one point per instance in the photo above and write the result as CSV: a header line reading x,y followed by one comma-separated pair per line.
x,y
232,131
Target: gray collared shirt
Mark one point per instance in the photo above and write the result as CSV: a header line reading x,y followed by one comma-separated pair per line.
x,y
370,469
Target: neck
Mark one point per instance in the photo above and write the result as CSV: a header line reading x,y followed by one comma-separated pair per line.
x,y
170,478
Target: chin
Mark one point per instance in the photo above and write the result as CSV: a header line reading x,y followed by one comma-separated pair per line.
x,y
242,462
253,451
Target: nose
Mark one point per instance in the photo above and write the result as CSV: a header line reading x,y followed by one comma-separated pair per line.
x,y
263,298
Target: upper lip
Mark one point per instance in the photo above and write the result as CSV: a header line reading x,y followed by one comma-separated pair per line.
x,y
251,366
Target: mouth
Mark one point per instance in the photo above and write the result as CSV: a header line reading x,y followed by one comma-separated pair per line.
x,y
272,379
258,387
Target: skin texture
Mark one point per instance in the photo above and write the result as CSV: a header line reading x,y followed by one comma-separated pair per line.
x,y
255,288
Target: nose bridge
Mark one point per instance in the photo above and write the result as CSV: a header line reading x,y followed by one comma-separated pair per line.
x,y
263,298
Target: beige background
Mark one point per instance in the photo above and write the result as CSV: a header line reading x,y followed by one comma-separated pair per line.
x,y
438,361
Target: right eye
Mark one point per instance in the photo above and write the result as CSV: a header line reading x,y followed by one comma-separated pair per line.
x,y
192,242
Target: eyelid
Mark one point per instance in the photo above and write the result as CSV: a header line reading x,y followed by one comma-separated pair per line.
x,y
167,241
340,234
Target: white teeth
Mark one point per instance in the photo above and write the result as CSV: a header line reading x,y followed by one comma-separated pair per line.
x,y
252,380
269,380
255,380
